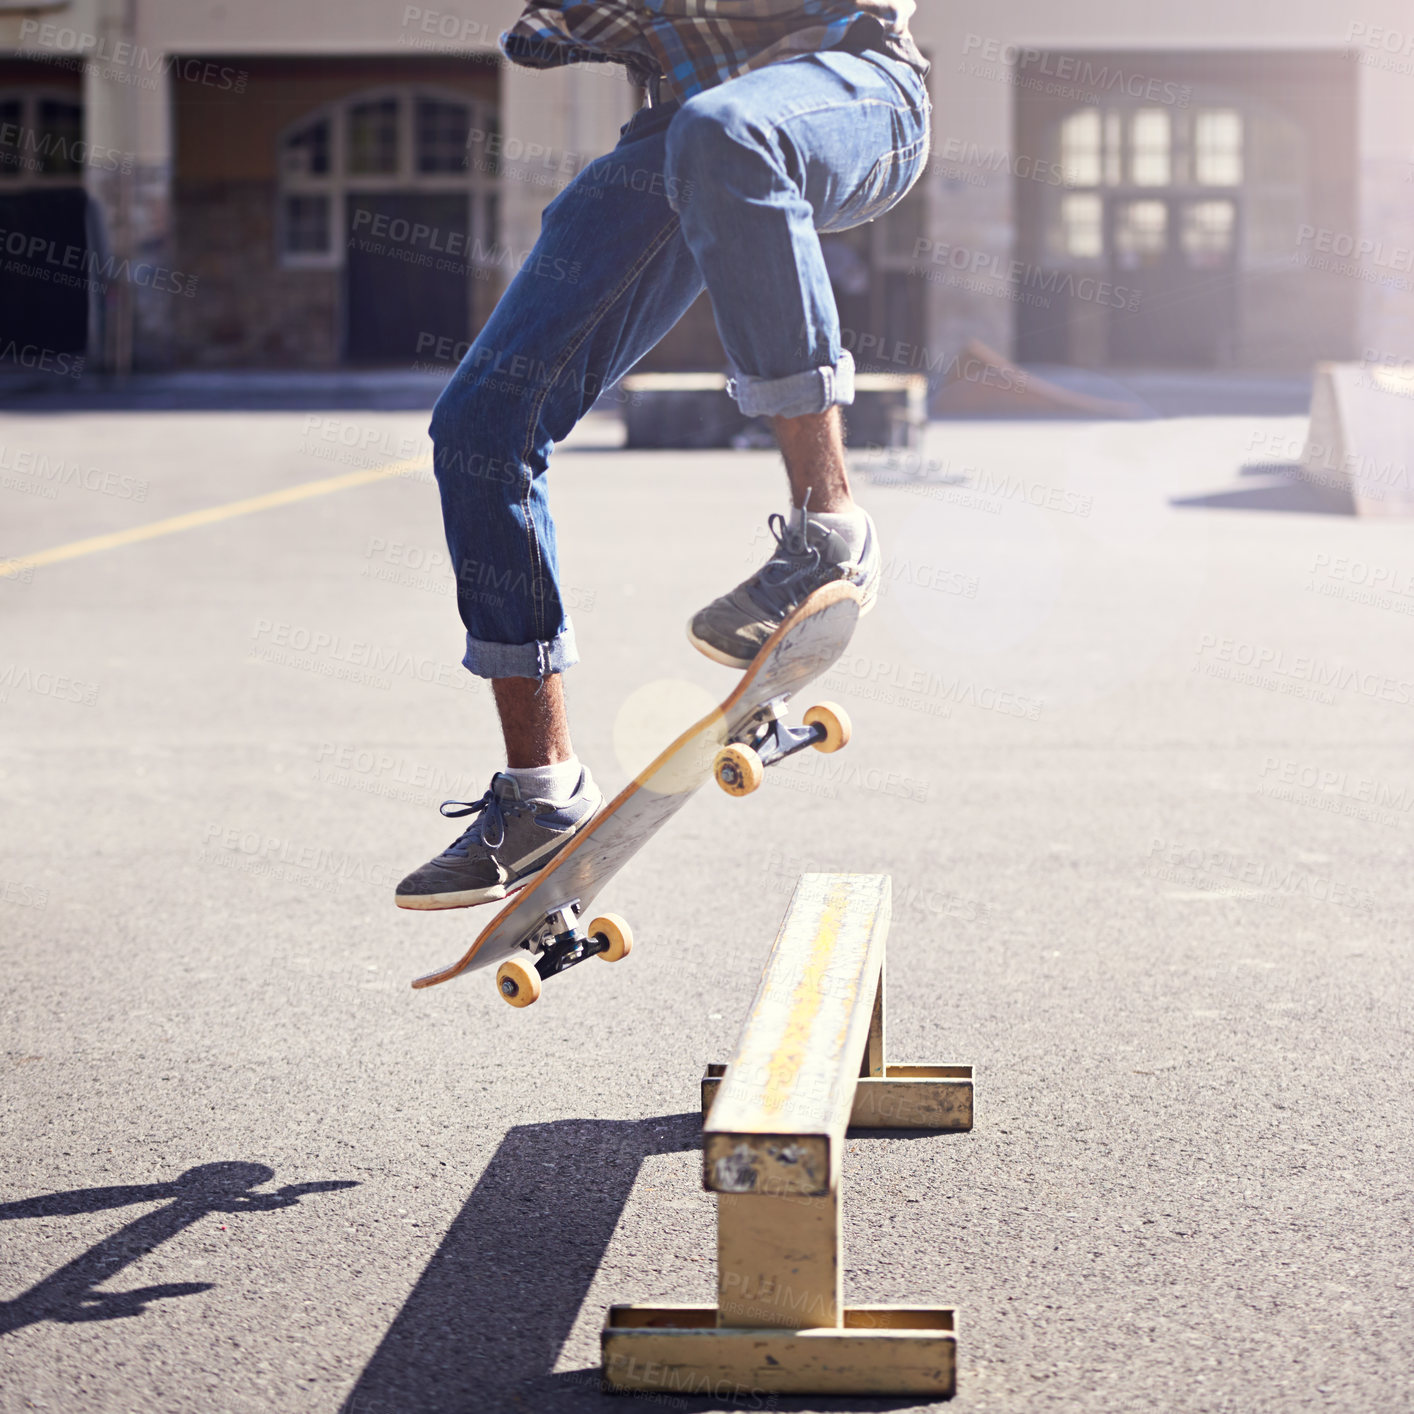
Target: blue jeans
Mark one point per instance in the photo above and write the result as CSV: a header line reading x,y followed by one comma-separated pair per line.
x,y
725,191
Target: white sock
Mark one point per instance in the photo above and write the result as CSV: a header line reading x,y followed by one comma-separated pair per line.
x,y
553,783
851,526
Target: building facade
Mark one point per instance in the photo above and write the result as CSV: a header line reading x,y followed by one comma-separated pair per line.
x,y
322,184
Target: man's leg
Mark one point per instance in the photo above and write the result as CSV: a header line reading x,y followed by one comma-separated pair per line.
x,y
533,721
608,277
812,447
822,142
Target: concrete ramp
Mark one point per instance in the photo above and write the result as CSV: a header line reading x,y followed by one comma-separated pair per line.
x,y
1361,436
982,383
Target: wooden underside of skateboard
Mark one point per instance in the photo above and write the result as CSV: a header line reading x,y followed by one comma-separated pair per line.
x,y
541,930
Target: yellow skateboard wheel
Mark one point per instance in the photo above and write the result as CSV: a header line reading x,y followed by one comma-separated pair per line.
x,y
835,721
738,769
518,982
617,931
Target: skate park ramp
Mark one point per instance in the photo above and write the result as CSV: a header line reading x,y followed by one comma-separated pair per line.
x,y
1360,442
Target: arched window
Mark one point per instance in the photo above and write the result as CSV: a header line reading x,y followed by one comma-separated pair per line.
x,y
41,139
384,140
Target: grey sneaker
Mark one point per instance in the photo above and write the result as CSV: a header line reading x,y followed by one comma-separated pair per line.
x,y
731,630
510,840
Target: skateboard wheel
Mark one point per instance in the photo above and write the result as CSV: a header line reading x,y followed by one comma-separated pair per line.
x,y
835,721
738,769
617,931
517,981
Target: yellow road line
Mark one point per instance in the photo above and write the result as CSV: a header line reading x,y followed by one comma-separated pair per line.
x,y
192,519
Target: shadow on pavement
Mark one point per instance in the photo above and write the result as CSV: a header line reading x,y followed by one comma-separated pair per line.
x,y
1286,490
68,1295
487,1320
485,1323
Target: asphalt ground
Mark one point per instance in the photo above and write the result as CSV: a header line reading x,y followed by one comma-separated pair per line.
x,y
1132,738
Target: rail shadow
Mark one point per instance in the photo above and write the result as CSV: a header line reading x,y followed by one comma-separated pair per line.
x,y
487,1320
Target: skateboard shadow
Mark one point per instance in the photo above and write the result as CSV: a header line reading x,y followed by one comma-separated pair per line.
x,y
485,1323
68,1295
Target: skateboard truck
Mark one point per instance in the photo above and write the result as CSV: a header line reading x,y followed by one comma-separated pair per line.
x,y
740,766
562,945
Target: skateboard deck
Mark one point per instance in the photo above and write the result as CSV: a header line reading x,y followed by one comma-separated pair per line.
x,y
803,647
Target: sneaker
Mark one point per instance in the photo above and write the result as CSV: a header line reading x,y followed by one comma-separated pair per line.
x,y
511,840
731,630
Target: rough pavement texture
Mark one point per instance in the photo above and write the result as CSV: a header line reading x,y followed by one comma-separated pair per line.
x,y
1160,900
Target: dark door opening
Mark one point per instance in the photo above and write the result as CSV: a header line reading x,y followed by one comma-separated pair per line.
x,y
408,262
43,289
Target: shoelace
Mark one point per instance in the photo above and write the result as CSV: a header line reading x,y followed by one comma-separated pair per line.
x,y
491,812
794,559
787,554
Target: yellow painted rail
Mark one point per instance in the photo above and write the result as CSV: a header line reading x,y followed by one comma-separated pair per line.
x,y
809,1062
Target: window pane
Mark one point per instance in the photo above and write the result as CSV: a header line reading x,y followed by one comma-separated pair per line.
x,y
442,132
307,151
1082,226
1080,148
306,225
373,138
1141,233
12,157
1207,235
1217,148
60,137
1114,147
1150,145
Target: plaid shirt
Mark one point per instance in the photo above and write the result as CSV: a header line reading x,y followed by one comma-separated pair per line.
x,y
690,45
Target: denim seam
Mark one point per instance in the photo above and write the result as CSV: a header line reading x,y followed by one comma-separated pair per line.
x,y
592,323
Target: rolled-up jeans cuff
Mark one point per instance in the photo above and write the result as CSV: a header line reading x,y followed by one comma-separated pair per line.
x,y
796,394
522,660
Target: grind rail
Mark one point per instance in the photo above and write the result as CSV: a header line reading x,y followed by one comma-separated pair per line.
x,y
809,1064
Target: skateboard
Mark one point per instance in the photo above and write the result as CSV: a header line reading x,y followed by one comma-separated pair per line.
x,y
539,932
